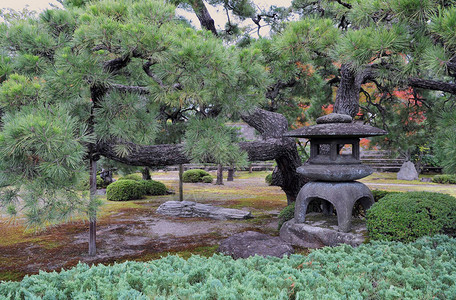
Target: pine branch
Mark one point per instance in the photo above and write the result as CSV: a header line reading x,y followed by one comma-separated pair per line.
x,y
131,88
432,85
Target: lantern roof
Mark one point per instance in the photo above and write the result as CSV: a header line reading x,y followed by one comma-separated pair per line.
x,y
336,126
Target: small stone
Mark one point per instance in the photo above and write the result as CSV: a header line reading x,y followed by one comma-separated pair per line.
x,y
189,209
250,243
407,172
334,118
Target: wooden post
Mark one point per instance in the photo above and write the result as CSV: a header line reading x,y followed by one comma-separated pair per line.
x,y
92,210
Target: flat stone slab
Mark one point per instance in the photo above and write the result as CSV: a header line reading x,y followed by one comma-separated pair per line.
x,y
189,209
251,243
319,234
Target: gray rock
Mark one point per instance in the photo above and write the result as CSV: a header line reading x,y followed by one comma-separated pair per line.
x,y
189,209
407,172
250,243
310,236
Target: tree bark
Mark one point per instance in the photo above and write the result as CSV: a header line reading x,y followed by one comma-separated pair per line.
x,y
219,175
146,174
347,96
433,85
230,176
203,15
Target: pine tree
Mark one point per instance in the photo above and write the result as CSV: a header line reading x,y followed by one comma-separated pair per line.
x,y
97,74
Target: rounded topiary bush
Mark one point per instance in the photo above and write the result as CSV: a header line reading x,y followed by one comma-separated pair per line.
x,y
195,175
154,188
134,176
123,190
407,216
207,179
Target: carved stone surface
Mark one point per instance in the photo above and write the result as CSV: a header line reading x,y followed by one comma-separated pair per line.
x,y
189,209
334,130
311,235
335,172
250,243
343,195
407,172
334,118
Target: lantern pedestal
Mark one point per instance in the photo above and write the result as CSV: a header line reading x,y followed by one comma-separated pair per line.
x,y
343,195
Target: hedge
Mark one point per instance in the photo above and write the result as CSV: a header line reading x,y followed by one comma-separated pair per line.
x,y
379,270
408,216
444,179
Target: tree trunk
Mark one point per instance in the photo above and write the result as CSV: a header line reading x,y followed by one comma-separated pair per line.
x,y
181,183
203,15
347,96
92,209
219,175
230,174
146,174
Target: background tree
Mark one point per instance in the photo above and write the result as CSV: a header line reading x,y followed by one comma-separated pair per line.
x,y
113,67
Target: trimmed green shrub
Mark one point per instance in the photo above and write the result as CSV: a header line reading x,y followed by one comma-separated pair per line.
x,y
195,175
379,194
268,179
154,188
207,179
378,270
286,214
408,216
123,190
134,176
101,183
444,179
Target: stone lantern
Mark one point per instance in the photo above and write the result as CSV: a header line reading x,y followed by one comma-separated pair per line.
x,y
332,170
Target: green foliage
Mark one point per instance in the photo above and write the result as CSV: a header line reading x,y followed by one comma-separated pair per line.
x,y
134,176
379,194
410,215
286,214
195,175
207,179
101,183
18,91
123,190
445,140
154,188
379,270
268,179
210,140
444,179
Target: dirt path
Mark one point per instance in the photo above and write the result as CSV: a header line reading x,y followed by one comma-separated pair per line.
x,y
134,231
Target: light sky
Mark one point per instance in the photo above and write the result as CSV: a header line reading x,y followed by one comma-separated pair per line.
x,y
218,15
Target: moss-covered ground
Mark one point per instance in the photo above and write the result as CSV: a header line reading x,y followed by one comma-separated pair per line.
x,y
133,231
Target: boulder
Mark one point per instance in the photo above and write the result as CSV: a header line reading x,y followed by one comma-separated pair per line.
x,y
251,243
189,209
407,172
311,236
